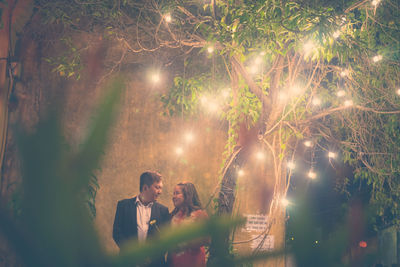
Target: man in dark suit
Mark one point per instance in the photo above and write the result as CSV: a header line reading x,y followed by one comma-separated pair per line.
x,y
140,217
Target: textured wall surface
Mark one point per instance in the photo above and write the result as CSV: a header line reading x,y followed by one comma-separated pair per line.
x,y
142,138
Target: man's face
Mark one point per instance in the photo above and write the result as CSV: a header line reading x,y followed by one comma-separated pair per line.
x,y
151,193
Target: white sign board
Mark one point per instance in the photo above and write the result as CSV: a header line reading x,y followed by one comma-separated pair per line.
x,y
255,222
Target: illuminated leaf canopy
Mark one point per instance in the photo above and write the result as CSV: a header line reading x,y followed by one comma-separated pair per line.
x,y
326,71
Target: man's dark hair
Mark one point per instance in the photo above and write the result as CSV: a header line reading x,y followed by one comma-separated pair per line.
x,y
148,178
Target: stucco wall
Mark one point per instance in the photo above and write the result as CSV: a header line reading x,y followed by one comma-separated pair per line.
x,y
141,138
144,139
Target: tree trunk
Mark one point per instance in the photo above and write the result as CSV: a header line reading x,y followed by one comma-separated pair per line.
x,y
14,16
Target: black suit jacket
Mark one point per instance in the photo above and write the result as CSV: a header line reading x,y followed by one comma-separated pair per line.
x,y
125,223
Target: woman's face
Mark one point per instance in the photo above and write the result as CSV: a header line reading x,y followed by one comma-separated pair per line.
x,y
178,198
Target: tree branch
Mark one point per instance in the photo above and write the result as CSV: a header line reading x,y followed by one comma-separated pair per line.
x,y
254,88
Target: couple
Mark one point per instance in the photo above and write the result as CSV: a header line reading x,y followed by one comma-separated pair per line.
x,y
139,218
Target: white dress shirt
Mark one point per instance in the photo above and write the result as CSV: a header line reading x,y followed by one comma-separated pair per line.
x,y
143,213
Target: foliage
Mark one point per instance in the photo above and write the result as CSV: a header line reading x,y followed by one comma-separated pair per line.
x,y
69,63
325,71
320,47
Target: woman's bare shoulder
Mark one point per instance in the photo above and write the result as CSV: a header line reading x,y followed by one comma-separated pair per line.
x,y
199,214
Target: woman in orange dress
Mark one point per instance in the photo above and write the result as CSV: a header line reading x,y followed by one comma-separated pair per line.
x,y
187,209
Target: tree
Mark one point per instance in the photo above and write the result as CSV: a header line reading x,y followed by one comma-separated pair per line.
x,y
323,74
14,15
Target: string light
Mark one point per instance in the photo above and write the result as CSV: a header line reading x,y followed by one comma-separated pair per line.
x,y
253,69
263,53
155,77
308,143
209,104
295,89
225,93
283,96
168,18
348,103
308,47
285,202
344,73
341,93
376,2
260,155
210,49
377,58
336,34
189,137
312,175
316,101
291,165
398,91
240,172
331,155
212,107
258,60
179,151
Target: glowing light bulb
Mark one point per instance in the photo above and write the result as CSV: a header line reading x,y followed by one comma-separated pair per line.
x,y
283,96
291,165
348,103
308,143
341,93
155,77
179,151
260,155
263,53
336,34
210,49
316,101
331,155
308,47
212,106
285,202
398,91
253,69
240,172
377,58
375,2
225,93
189,137
168,18
312,175
344,73
295,89
258,60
